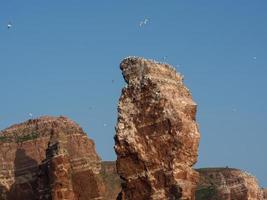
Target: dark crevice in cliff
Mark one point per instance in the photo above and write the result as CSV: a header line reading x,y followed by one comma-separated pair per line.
x,y
24,188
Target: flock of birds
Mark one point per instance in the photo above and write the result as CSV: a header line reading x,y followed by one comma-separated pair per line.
x,y
141,24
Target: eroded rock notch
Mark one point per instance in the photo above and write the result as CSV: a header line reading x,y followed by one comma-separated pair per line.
x,y
157,136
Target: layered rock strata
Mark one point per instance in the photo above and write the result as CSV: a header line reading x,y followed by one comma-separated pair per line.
x,y
157,136
59,170
214,184
227,184
48,158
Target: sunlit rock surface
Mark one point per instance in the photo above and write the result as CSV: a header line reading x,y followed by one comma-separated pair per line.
x,y
227,184
157,135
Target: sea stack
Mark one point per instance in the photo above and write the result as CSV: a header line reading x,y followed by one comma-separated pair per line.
x,y
157,136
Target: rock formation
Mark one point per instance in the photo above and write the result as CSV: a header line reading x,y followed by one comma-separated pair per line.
x,y
48,158
58,165
214,184
111,180
156,141
157,135
227,184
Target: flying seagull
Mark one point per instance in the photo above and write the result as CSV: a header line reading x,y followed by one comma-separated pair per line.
x,y
146,21
143,22
9,25
30,114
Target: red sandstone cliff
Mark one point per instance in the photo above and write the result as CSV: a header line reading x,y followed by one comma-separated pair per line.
x,y
157,136
48,158
227,184
214,184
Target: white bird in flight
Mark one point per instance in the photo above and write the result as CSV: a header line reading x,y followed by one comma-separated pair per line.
x,y
30,114
144,22
9,25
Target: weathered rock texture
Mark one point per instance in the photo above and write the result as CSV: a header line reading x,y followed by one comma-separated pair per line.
x,y
111,180
157,135
214,184
48,158
227,184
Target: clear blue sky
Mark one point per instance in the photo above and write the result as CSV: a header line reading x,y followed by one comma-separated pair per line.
x,y
60,58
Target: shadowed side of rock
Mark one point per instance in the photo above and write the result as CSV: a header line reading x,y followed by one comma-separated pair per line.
x,y
265,194
3,193
157,137
26,171
111,180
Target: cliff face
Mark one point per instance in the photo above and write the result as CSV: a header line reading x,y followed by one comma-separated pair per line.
x,y
227,184
265,194
157,136
48,158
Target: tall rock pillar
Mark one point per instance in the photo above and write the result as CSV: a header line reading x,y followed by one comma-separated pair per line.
x,y
157,136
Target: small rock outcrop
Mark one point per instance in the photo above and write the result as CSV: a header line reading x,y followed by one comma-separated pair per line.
x,y
157,136
265,194
227,184
48,158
